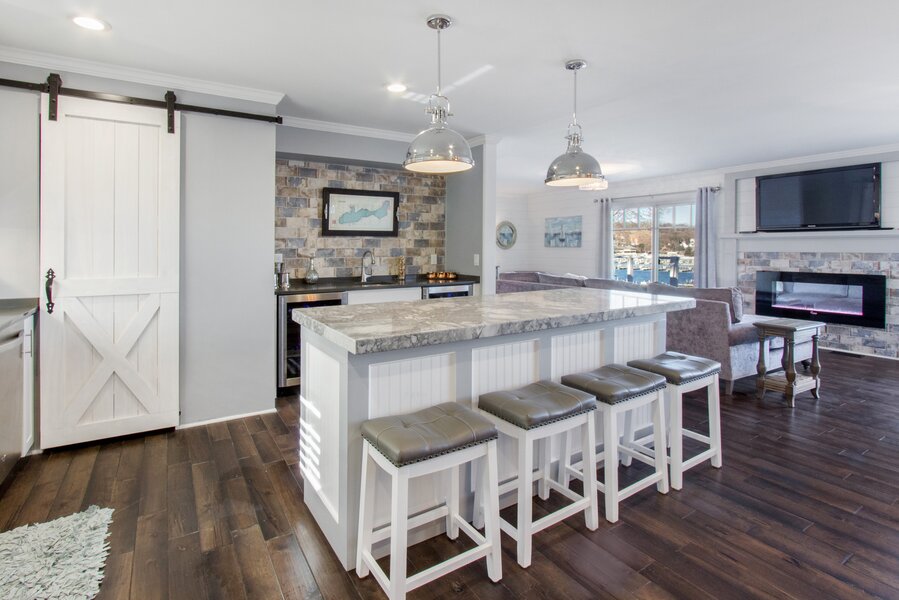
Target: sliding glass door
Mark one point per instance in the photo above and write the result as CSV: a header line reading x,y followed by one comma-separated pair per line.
x,y
654,243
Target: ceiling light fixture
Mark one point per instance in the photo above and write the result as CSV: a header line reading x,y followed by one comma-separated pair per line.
x,y
396,88
91,23
575,167
438,149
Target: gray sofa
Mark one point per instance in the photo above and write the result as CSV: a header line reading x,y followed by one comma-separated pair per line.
x,y
715,329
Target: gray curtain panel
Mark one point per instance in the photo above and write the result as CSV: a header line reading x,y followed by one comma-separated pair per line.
x,y
705,267
605,238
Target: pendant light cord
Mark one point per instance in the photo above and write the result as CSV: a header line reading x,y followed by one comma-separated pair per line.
x,y
574,110
439,74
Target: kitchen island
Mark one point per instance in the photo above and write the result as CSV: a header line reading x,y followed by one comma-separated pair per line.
x,y
372,360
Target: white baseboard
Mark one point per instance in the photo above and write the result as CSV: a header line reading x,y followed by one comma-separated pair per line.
x,y
228,418
857,353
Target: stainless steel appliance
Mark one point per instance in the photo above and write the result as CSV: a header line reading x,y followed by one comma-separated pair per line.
x,y
11,372
446,291
289,332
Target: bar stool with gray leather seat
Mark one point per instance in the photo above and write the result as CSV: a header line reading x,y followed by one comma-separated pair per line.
x,y
621,389
535,413
685,373
438,438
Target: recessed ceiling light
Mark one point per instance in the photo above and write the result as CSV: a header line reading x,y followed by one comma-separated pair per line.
x,y
91,23
396,88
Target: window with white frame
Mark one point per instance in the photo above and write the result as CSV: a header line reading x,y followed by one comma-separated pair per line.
x,y
654,243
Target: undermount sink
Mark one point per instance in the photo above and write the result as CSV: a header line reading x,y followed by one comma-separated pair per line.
x,y
380,280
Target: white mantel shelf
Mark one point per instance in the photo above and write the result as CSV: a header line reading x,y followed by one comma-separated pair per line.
x,y
811,235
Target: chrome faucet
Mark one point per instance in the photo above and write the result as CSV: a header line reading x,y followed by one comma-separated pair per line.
x,y
371,262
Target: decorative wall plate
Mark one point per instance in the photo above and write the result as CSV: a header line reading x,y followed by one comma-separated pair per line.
x,y
506,235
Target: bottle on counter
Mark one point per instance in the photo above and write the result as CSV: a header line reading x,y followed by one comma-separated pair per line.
x,y
401,268
312,274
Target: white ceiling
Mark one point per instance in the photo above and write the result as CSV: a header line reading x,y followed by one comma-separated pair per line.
x,y
672,86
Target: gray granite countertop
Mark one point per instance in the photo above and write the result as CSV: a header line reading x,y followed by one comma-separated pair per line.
x,y
13,312
365,328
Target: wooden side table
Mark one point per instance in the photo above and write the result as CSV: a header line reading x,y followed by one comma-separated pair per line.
x,y
793,331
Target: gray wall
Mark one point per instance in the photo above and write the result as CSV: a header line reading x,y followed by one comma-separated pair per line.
x,y
19,189
227,298
292,140
464,217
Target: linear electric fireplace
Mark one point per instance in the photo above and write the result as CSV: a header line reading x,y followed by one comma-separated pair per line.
x,y
829,297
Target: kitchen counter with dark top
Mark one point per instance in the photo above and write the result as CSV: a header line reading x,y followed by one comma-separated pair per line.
x,y
376,282
14,311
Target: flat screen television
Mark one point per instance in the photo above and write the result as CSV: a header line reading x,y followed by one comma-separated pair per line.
x,y
840,198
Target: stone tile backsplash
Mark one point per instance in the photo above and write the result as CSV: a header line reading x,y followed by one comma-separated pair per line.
x,y
880,342
298,219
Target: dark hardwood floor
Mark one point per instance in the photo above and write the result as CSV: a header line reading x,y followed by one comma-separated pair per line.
x,y
805,507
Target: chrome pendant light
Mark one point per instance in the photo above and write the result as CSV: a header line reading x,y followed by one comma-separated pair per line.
x,y
575,167
438,149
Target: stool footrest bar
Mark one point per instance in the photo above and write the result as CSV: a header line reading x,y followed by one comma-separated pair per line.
x,y
638,454
702,456
696,436
447,566
471,532
554,485
376,569
383,532
640,485
559,515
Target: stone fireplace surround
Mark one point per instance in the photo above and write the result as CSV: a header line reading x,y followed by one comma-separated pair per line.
x,y
862,340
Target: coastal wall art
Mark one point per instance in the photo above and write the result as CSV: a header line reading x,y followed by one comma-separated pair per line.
x,y
563,232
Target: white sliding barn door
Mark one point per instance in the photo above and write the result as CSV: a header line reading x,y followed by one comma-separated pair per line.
x,y
110,196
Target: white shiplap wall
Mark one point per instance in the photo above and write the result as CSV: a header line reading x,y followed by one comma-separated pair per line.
x,y
529,214
515,210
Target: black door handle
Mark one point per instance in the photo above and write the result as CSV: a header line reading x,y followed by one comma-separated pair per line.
x,y
48,286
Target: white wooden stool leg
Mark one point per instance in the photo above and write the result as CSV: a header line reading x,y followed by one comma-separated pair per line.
x,y
366,508
628,438
588,450
491,512
669,413
544,447
525,489
658,442
610,470
399,526
565,459
452,503
479,468
677,438
715,423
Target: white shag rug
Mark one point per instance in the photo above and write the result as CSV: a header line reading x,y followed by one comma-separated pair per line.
x,y
60,559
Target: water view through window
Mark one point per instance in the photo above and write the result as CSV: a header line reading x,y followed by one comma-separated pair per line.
x,y
655,243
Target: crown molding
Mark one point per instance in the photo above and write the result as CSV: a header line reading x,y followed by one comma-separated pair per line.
x,y
813,158
383,134
55,62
